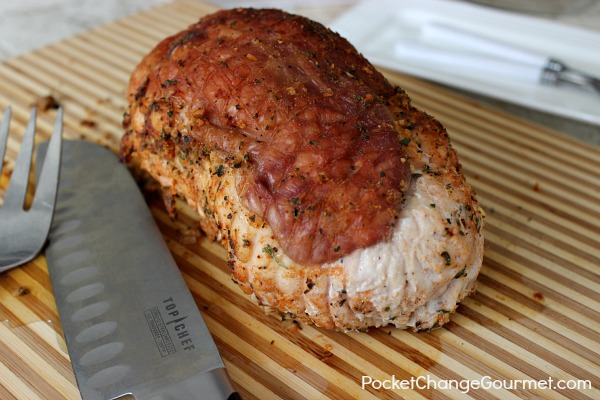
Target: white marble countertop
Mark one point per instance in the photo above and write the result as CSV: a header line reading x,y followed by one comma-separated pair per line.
x,y
29,24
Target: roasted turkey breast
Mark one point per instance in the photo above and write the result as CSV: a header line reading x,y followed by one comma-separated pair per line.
x,y
338,202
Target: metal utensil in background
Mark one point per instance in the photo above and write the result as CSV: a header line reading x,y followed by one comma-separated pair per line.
x,y
452,48
23,232
540,7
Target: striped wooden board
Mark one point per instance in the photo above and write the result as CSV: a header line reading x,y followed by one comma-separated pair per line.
x,y
536,315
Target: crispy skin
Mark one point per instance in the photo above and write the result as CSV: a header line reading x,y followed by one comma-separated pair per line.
x,y
299,110
338,201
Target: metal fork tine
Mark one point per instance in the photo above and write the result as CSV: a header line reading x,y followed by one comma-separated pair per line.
x,y
4,134
17,188
47,185
24,232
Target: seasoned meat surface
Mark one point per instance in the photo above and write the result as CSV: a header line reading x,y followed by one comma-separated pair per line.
x,y
337,200
302,113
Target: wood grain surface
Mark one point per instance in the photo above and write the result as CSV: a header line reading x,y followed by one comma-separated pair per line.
x,y
535,316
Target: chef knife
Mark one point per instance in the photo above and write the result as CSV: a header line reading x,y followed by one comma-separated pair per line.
x,y
130,323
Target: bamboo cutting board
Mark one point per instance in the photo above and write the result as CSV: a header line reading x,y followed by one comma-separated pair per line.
x,y
535,316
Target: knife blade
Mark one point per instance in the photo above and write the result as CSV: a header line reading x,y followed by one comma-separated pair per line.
x,y
130,322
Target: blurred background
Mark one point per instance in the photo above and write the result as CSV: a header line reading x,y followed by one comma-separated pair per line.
x,y
29,24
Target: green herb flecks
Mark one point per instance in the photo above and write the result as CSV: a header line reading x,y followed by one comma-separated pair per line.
x,y
461,273
447,257
405,141
270,251
220,170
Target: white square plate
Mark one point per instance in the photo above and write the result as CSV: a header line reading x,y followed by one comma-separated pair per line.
x,y
374,26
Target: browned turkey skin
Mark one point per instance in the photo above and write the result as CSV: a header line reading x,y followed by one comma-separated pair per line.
x,y
337,200
301,112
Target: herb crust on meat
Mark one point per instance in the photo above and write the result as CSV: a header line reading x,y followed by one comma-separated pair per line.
x,y
338,201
